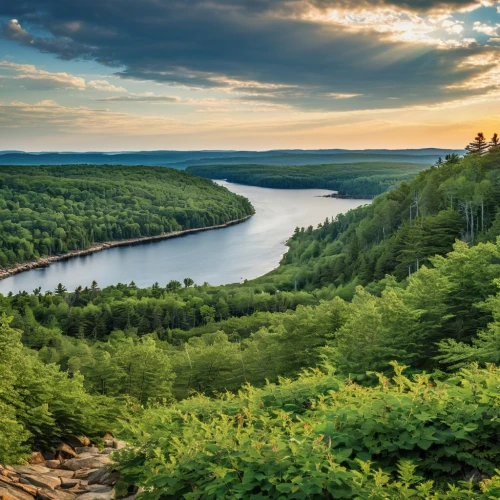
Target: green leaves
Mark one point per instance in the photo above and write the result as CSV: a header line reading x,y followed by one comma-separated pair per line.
x,y
53,210
403,439
39,404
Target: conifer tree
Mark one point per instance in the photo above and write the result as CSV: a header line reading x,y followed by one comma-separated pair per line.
x,y
478,145
495,141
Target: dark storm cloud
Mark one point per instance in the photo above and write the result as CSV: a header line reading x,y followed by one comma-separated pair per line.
x,y
12,30
205,44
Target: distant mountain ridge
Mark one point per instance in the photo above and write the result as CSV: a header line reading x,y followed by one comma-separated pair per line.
x,y
183,159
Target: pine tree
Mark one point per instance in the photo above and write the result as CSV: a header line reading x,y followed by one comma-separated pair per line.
x,y
478,145
495,141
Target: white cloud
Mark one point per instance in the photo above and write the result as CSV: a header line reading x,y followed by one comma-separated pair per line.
x,y
148,97
104,86
487,29
47,115
453,27
33,78
396,25
336,95
488,80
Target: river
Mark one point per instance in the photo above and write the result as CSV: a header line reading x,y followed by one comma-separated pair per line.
x,y
222,256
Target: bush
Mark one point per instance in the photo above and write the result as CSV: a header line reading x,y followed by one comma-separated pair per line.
x,y
320,437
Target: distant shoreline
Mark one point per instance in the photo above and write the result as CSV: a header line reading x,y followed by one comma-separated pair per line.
x,y
348,196
97,247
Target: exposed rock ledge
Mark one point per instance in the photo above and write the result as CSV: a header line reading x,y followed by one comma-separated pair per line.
x,y
97,247
79,473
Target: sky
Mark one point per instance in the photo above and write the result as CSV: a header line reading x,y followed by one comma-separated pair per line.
x,y
115,75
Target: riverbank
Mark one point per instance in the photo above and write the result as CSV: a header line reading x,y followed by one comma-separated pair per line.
x,y
97,247
348,196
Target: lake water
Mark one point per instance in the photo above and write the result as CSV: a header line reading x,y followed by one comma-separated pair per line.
x,y
219,257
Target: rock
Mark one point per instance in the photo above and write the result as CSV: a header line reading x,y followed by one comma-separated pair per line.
x,y
108,435
107,451
27,488
67,483
36,458
104,476
55,495
92,462
8,481
65,451
78,441
119,445
97,496
52,464
87,449
85,455
99,488
10,493
83,473
31,469
108,443
43,481
8,473
5,494
61,473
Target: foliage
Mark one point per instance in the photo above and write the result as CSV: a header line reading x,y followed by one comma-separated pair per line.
x,y
354,179
410,280
319,437
39,403
53,210
401,230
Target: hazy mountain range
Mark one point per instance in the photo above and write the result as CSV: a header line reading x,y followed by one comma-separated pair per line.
x,y
183,159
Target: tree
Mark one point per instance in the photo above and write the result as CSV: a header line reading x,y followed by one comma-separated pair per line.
x,y
207,313
495,141
173,286
478,145
188,282
60,289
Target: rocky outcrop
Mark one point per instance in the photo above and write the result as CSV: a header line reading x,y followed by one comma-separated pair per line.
x,y
80,472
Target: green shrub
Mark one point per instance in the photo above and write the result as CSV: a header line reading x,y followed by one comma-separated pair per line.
x,y
320,437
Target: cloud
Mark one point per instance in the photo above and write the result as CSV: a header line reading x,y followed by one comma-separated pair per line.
x,y
12,30
104,86
146,97
487,29
489,80
58,119
32,78
286,52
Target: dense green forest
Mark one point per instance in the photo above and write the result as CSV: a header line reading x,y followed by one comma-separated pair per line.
x,y
352,179
402,229
320,380
53,210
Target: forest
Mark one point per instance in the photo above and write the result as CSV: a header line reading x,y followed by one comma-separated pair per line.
x,y
359,180
53,210
365,366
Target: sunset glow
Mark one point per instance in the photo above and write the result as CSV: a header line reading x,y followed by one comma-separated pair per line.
x,y
195,74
